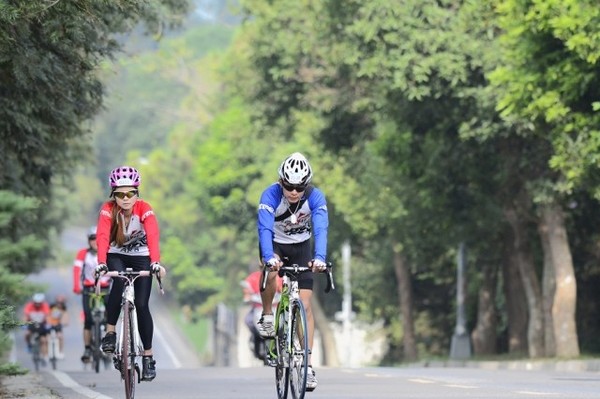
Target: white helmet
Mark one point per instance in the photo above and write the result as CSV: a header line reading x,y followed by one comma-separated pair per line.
x,y
295,169
39,297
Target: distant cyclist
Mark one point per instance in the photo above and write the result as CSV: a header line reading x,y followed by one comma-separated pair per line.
x,y
84,268
128,237
35,314
251,289
290,212
58,317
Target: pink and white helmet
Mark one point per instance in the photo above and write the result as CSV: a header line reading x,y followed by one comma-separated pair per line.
x,y
124,176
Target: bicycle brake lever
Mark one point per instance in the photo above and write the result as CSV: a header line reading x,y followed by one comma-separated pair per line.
x,y
263,278
160,286
330,283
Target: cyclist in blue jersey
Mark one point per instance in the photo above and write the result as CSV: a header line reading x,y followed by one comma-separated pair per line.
x,y
290,212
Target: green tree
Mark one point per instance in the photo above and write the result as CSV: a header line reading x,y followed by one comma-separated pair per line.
x,y
49,55
16,248
551,51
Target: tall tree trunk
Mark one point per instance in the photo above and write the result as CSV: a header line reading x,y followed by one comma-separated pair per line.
x,y
328,345
533,292
405,297
548,290
565,296
516,300
483,336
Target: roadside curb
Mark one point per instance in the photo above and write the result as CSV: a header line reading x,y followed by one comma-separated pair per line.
x,y
525,365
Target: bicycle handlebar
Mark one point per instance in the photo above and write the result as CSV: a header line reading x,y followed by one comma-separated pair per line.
x,y
296,269
127,274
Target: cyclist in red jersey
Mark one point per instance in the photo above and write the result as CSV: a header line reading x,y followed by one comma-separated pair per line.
x,y
84,268
35,314
128,237
251,289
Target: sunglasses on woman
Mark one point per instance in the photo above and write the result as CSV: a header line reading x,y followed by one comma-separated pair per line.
x,y
291,187
123,194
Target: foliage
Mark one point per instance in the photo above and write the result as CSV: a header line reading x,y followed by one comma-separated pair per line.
x,y
146,92
422,119
49,53
16,250
552,51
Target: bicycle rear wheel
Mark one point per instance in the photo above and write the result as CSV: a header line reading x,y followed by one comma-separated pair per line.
x,y
128,354
299,351
282,371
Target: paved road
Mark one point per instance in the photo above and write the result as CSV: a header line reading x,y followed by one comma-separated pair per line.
x,y
181,375
340,383
172,350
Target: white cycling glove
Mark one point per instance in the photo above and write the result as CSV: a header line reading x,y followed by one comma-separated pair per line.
x,y
318,265
155,268
272,262
101,268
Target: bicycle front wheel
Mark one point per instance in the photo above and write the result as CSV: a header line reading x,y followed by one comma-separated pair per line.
x,y
35,353
53,349
96,354
298,350
128,354
282,370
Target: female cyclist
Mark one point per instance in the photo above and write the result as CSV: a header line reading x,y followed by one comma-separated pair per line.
x,y
128,237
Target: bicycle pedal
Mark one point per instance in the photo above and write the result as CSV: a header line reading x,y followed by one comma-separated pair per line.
x,y
269,361
117,365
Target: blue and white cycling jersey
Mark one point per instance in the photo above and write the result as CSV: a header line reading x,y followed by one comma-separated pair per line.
x,y
284,223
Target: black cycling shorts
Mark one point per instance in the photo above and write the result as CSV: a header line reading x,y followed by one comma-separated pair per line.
x,y
299,254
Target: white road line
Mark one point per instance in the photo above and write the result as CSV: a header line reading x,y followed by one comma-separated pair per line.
x,y
421,381
167,347
68,382
375,375
532,393
460,386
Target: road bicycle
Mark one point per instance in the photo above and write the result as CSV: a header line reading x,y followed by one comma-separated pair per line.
x,y
289,349
53,346
35,340
98,311
129,347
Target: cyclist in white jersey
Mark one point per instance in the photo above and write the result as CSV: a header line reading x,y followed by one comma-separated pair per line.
x,y
290,212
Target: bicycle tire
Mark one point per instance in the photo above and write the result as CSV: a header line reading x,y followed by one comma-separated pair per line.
x,y
53,349
53,361
282,371
35,353
298,348
127,366
96,334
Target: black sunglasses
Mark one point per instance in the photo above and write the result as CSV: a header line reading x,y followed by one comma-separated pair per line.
x,y
291,187
128,194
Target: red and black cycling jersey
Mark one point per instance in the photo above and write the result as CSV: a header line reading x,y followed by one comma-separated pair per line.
x,y
84,267
142,233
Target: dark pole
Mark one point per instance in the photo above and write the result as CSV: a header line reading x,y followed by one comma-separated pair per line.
x,y
461,343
